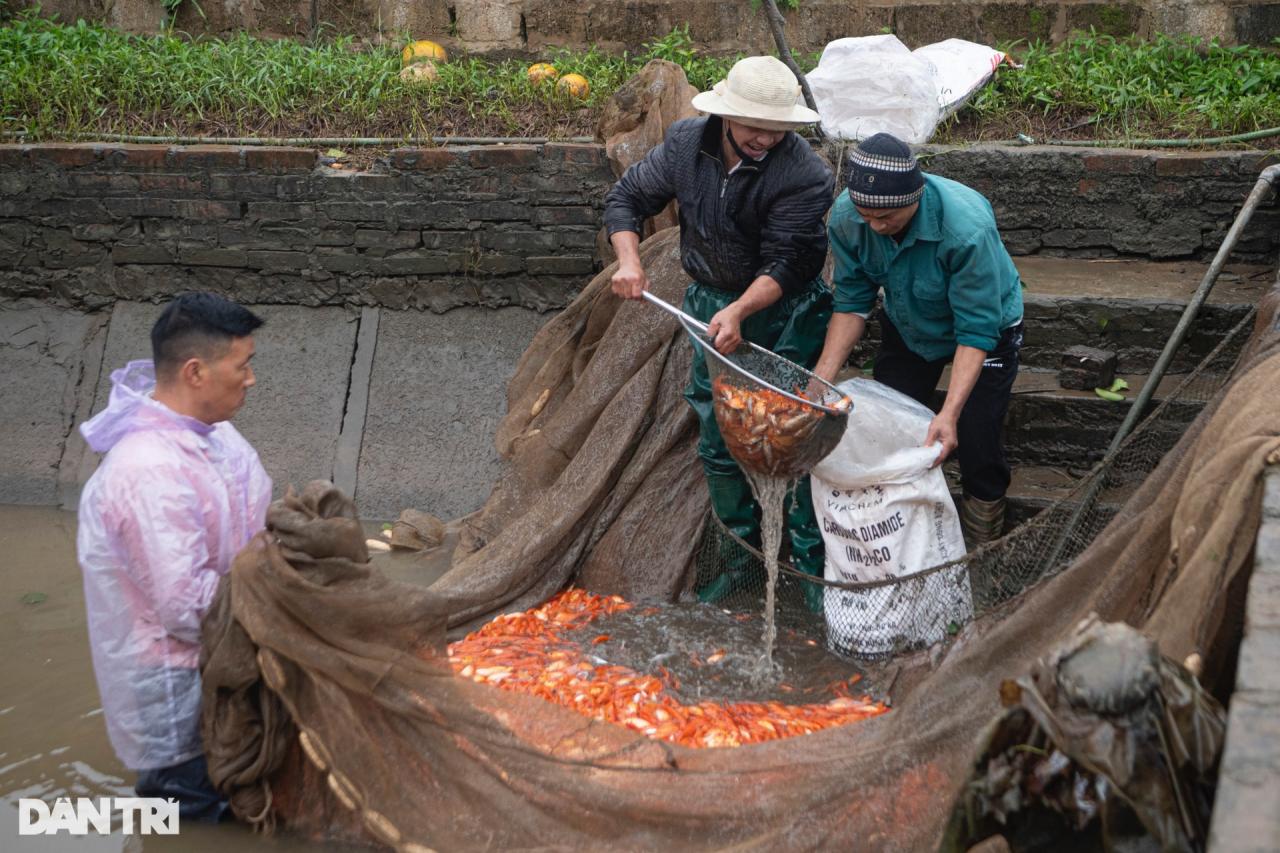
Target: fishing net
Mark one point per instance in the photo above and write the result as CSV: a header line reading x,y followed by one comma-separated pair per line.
x,y
331,707
776,418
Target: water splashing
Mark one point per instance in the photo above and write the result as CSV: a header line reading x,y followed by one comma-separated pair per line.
x,y
771,494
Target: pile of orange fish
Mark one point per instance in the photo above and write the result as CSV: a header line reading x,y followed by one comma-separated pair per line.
x,y
529,653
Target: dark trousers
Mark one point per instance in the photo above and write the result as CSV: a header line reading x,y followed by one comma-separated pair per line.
x,y
984,471
189,784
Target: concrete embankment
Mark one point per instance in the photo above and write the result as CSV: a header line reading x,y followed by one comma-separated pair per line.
x,y
399,299
397,407
1246,815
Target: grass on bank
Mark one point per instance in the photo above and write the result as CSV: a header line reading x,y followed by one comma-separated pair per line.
x,y
58,80
1096,86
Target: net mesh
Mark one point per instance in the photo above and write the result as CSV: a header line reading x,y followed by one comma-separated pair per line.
x,y
996,572
777,419
330,704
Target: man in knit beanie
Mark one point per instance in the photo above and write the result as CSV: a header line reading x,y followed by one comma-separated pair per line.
x,y
951,296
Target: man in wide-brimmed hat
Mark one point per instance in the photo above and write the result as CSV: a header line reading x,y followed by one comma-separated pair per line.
x,y
951,296
752,196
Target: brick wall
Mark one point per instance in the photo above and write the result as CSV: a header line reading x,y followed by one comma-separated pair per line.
x,y
1099,202
425,228
471,26
435,229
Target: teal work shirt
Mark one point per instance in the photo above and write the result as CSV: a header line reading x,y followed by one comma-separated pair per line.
x,y
949,282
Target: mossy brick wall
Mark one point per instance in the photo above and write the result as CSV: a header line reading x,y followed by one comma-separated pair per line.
x,y
491,226
1099,203
481,26
430,228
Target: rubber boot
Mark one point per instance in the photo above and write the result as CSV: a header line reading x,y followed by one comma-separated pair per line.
x,y
734,505
808,552
981,521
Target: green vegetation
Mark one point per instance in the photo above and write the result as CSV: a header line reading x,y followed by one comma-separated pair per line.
x,y
57,80
1102,86
60,80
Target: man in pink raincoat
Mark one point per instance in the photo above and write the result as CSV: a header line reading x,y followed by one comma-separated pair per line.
x,y
178,494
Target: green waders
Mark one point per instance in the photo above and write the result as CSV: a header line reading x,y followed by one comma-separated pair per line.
x,y
794,327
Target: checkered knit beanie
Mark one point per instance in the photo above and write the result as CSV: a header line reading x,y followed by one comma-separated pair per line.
x,y
882,172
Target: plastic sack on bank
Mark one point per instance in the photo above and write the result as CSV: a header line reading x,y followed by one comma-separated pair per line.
x,y
886,514
875,84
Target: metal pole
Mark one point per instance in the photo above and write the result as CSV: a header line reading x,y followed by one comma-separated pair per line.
x,y
1267,181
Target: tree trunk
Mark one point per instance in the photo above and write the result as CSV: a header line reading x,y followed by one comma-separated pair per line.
x,y
778,25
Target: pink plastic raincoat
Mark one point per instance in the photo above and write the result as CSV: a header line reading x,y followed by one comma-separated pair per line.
x,y
160,521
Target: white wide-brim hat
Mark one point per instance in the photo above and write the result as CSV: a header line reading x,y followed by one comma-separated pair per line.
x,y
760,91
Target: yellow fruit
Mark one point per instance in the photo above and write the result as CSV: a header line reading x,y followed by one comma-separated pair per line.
x,y
574,85
420,72
540,72
420,50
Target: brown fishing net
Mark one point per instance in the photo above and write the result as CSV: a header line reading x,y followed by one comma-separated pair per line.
x,y
330,707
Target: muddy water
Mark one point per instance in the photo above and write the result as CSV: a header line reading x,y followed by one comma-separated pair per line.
x,y
52,739
705,652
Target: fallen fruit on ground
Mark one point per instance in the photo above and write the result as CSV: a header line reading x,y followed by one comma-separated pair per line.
x,y
419,50
540,72
574,85
420,72
529,653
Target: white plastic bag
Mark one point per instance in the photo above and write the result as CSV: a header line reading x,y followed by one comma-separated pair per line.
x,y
960,68
884,514
874,84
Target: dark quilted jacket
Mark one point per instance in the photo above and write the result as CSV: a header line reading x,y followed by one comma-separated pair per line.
x,y
764,219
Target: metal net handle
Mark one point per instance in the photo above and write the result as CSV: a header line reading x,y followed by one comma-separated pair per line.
x,y
769,358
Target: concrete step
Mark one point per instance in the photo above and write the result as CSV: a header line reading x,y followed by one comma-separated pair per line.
x,y
1036,487
1128,306
1050,425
